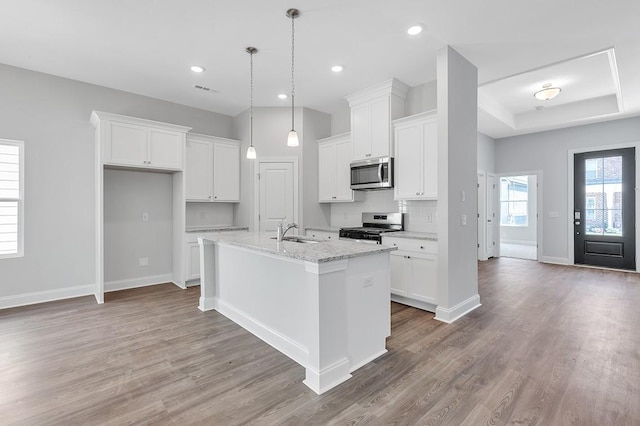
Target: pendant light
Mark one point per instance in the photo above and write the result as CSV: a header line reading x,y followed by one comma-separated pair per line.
x,y
292,140
251,151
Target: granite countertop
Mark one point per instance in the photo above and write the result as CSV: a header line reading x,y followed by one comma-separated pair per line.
x,y
322,252
322,228
222,228
429,236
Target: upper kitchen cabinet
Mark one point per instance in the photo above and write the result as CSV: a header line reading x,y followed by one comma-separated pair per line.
x,y
139,143
334,178
416,157
212,171
372,110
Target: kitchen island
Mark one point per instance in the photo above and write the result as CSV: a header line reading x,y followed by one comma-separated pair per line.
x,y
324,304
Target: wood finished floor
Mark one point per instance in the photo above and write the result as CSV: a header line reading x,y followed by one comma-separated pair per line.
x,y
551,345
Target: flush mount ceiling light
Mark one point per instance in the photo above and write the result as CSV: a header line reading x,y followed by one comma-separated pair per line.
x,y
547,93
414,30
282,96
337,68
292,139
197,68
251,151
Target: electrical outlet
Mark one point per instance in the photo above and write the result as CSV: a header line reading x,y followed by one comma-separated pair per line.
x,y
367,281
143,261
463,220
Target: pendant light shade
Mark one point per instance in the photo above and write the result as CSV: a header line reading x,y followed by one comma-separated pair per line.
x,y
251,151
292,139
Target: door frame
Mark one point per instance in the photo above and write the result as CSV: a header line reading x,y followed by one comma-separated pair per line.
x,y
539,210
571,255
256,186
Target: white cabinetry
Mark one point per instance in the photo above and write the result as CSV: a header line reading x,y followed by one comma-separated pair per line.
x,y
372,110
135,142
323,235
334,172
416,157
414,272
212,171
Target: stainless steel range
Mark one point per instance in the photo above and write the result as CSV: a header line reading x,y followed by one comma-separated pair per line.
x,y
373,226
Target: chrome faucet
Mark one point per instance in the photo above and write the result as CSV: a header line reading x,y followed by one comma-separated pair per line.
x,y
282,232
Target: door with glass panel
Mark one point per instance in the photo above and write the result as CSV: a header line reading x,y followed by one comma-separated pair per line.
x,y
604,208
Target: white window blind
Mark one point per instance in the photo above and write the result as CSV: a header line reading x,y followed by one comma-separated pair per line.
x,y
11,198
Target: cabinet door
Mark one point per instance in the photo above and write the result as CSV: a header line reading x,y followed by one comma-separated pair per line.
x,y
199,171
126,144
193,261
398,274
343,190
422,278
430,158
165,149
408,163
327,172
361,131
380,120
226,172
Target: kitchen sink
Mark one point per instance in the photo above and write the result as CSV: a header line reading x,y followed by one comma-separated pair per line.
x,y
297,240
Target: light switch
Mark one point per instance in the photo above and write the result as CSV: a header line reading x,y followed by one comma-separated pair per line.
x,y
145,217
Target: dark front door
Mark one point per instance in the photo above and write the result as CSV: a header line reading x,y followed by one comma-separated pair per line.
x,y
604,215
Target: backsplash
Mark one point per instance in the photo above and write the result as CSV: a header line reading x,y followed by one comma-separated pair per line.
x,y
420,216
209,214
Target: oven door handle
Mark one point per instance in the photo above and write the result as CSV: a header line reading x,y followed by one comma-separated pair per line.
x,y
380,170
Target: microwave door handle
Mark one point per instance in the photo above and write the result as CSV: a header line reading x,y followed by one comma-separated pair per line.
x,y
380,170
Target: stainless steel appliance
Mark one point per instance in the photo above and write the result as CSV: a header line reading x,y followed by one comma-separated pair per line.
x,y
373,173
373,226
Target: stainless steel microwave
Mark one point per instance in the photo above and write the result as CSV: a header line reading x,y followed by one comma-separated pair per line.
x,y
372,173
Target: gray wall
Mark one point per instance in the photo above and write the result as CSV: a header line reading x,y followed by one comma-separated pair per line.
x,y
270,128
486,153
548,151
51,115
127,195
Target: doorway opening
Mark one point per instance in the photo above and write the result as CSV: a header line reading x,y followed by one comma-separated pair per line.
x,y
519,216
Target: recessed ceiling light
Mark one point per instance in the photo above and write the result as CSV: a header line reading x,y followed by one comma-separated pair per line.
x,y
415,30
197,68
337,68
282,96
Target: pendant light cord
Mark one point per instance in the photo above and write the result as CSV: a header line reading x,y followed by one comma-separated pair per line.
x,y
293,84
251,103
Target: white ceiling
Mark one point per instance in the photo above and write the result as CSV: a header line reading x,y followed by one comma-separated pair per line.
x,y
147,47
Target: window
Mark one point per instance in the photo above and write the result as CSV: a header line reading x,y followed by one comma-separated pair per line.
x,y
11,198
514,205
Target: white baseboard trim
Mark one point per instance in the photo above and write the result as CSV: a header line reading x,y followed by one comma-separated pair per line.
x,y
555,260
290,348
137,282
328,378
46,296
519,242
425,306
449,315
366,361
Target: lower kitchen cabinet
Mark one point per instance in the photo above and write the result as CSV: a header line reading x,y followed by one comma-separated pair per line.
x,y
193,261
414,272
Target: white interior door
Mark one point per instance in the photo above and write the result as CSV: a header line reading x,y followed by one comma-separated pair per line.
x,y
482,214
490,239
276,195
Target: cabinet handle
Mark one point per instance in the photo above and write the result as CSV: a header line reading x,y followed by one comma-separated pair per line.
x,y
408,257
394,244
421,247
215,197
209,196
334,197
329,237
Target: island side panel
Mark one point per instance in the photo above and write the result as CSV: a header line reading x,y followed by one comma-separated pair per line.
x,y
266,295
368,307
327,330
